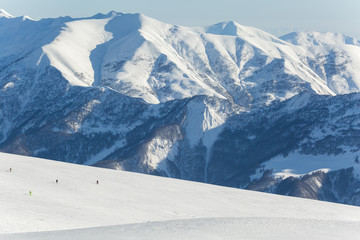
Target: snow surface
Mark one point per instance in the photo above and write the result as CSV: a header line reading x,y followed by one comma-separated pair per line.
x,y
152,206
210,229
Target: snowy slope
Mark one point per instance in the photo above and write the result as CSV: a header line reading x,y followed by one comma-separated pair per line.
x,y
333,56
70,51
150,204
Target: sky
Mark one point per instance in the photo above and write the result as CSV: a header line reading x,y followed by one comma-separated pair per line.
x,y
275,16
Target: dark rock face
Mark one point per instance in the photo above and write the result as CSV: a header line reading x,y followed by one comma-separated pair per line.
x,y
337,186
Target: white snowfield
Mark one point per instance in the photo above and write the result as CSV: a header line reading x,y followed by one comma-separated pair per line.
x,y
128,205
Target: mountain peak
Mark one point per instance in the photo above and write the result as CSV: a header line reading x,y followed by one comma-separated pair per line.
x,y
5,14
107,15
232,28
224,28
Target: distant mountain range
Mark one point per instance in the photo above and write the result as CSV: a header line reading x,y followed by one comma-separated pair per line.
x,y
224,104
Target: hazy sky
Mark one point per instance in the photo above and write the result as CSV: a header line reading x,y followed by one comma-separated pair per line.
x,y
275,16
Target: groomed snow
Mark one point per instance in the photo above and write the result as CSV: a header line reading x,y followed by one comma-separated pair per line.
x,y
216,228
150,205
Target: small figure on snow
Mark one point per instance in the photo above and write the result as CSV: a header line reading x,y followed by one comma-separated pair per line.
x,y
10,169
97,181
29,193
57,181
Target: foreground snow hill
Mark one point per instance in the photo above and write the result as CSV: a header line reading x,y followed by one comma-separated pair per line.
x,y
128,205
217,228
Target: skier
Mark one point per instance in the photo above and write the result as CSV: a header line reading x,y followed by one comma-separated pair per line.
x,y
97,181
10,169
30,193
57,181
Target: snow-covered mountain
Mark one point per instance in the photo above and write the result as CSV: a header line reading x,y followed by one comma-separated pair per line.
x,y
224,104
134,206
142,57
332,56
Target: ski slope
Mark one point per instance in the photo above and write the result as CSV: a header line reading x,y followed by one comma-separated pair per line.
x,y
136,206
217,228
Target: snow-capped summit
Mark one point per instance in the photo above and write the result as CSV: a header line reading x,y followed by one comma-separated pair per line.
x,y
224,28
4,14
232,28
